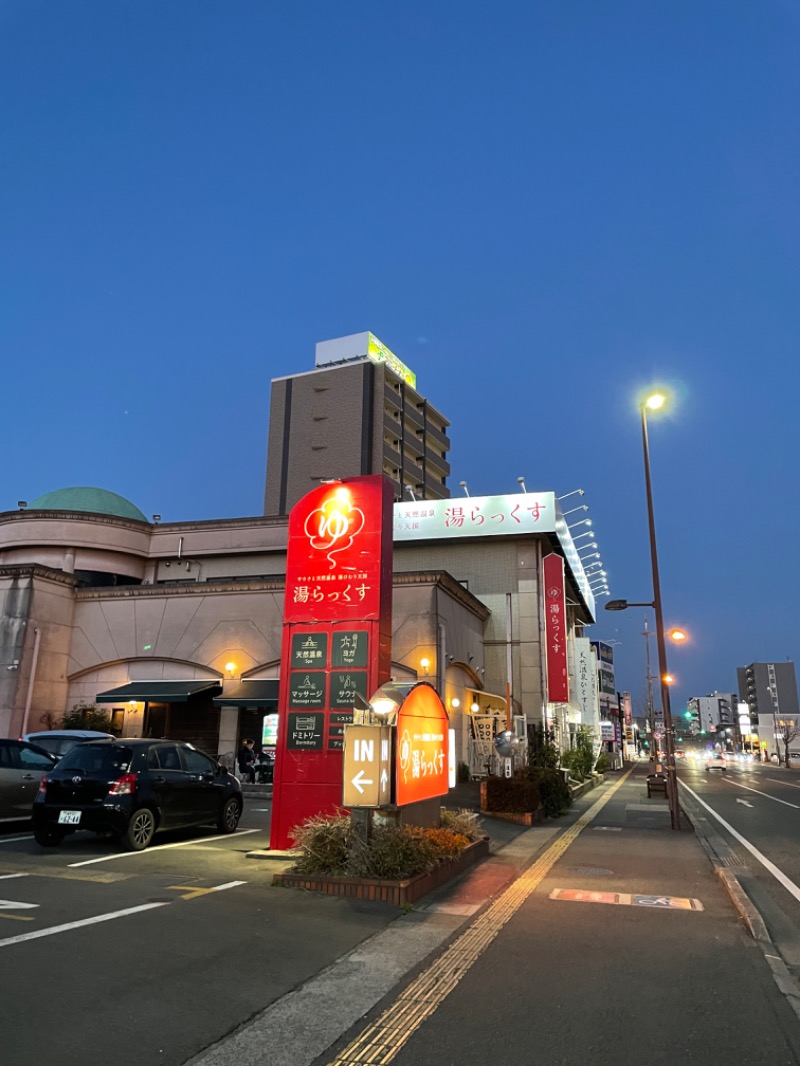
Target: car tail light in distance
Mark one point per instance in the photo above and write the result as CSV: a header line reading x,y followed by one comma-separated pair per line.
x,y
123,786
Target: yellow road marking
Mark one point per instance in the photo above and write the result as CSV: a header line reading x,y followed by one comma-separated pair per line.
x,y
379,1043
194,893
16,917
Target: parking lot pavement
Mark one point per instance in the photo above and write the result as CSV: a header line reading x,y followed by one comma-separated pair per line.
x,y
190,921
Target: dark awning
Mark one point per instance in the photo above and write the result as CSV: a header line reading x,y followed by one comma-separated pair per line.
x,y
158,691
255,694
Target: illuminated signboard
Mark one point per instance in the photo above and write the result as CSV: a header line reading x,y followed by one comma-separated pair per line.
x,y
475,516
421,766
379,353
555,627
360,346
336,640
491,516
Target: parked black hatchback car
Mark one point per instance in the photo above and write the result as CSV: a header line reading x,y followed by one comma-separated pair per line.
x,y
134,789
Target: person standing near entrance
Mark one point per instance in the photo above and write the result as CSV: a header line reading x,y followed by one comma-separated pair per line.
x,y
247,761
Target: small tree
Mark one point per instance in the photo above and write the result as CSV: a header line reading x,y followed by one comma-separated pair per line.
x,y
786,730
86,716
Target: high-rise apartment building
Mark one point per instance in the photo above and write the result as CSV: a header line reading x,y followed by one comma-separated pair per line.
x,y
358,412
770,690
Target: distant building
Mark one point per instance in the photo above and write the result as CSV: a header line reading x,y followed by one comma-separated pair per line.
x,y
770,690
357,413
713,713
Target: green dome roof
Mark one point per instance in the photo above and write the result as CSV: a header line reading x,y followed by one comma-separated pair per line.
x,y
95,501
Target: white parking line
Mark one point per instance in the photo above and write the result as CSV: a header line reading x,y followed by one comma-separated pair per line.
x,y
14,840
779,875
6,877
162,847
36,934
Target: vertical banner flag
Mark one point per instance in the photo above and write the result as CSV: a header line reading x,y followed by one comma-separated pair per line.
x,y
555,628
337,633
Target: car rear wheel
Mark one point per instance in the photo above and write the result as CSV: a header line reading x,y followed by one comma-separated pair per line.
x,y
229,816
48,837
140,830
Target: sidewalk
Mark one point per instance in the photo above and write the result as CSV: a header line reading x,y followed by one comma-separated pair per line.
x,y
602,937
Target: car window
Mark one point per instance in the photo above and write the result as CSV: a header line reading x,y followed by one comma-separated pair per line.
x,y
168,757
6,756
92,759
197,763
33,760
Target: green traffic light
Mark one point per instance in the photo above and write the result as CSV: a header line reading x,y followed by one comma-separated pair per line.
x,y
687,714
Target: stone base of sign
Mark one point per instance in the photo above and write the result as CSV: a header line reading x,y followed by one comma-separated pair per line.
x,y
396,893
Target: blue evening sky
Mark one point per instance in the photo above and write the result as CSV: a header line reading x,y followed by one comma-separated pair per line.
x,y
539,206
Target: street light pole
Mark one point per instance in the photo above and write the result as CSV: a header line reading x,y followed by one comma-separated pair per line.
x,y
669,737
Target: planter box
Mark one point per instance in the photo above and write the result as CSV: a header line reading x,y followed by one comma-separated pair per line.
x,y
517,817
396,893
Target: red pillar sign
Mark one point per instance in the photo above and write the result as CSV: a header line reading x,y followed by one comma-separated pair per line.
x,y
555,628
337,620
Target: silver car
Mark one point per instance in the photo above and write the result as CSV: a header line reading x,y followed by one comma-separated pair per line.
x,y
22,767
59,741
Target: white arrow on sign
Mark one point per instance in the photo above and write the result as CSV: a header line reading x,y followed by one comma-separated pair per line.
x,y
384,779
12,905
747,803
359,779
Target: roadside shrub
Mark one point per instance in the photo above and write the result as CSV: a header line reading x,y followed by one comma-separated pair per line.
x,y
603,763
573,761
86,716
515,794
329,846
462,821
462,774
554,790
324,843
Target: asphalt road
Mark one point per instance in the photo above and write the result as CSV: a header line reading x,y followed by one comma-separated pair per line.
x,y
755,807
147,957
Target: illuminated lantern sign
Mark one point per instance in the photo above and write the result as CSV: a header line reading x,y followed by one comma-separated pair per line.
x,y
422,746
336,639
555,628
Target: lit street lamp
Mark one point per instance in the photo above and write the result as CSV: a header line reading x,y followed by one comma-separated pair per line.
x,y
654,403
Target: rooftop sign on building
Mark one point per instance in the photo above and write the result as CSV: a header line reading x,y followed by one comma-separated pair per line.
x,y
362,346
491,516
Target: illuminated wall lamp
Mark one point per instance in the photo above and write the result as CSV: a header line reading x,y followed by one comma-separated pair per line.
x,y
425,664
230,669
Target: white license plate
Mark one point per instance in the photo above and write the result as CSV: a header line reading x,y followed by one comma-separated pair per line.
x,y
69,817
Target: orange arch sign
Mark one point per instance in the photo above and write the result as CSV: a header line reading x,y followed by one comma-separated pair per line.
x,y
422,746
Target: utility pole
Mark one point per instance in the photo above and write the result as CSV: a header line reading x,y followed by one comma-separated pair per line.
x,y
651,710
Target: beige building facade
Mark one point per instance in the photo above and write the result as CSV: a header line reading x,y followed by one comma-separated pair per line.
x,y
92,601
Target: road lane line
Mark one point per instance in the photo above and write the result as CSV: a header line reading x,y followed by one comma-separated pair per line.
x,y
779,875
7,877
778,781
37,933
162,847
15,840
766,795
381,1041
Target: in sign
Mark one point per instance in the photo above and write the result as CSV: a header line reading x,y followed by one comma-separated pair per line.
x,y
367,767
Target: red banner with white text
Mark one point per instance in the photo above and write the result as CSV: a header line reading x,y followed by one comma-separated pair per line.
x,y
555,628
